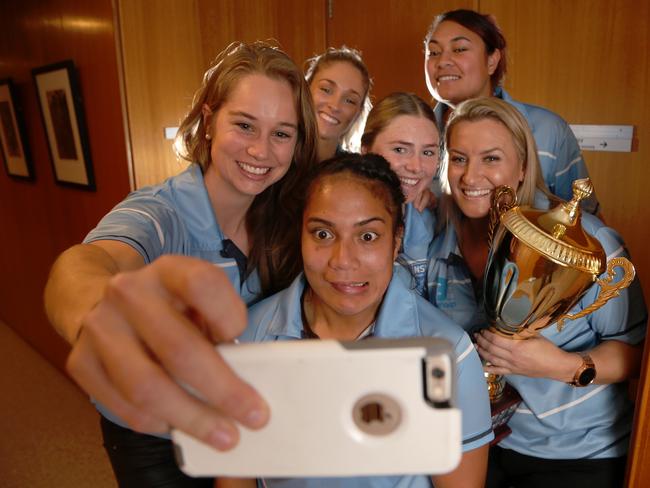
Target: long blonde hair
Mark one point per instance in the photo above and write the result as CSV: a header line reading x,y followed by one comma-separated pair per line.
x,y
507,115
390,107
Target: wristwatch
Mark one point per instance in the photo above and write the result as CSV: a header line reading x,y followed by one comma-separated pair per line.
x,y
586,373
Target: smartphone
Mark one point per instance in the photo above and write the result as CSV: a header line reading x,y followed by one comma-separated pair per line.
x,y
370,407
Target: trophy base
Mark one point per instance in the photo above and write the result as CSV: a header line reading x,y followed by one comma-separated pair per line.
x,y
502,410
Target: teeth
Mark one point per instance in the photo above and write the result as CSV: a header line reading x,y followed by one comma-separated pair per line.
x,y
256,170
356,284
476,193
409,181
448,78
328,118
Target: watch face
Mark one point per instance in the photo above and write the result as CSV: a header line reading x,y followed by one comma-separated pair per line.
x,y
587,376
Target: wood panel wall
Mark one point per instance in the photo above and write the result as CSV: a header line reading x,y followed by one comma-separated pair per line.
x,y
168,44
585,59
589,61
40,219
390,37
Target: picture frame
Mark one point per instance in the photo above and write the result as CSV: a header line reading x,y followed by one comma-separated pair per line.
x,y
59,97
14,149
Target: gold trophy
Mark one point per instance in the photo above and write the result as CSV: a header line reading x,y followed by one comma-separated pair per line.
x,y
540,264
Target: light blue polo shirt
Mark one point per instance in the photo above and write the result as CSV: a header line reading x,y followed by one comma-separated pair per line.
x,y
557,147
403,313
556,420
418,234
175,217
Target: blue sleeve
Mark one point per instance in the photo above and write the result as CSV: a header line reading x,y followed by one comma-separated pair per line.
x,y
143,222
472,398
624,317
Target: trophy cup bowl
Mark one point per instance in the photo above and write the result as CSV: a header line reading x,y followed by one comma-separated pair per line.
x,y
540,264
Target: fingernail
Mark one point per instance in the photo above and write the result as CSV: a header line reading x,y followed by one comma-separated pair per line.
x,y
255,418
221,439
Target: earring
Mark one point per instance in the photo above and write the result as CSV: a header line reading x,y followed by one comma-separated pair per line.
x,y
208,136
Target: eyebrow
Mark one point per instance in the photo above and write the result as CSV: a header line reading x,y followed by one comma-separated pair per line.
x,y
492,150
405,143
457,38
335,83
318,220
486,151
241,113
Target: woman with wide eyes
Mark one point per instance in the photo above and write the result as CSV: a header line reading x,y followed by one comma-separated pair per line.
x,y
142,300
465,57
566,432
402,129
340,87
352,226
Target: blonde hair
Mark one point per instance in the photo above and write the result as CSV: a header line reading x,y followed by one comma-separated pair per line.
x,y
507,115
390,107
350,141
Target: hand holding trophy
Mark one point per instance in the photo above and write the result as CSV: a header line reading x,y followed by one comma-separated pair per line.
x,y
540,265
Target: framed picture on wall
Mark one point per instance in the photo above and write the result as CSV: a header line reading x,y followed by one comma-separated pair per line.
x,y
59,96
15,151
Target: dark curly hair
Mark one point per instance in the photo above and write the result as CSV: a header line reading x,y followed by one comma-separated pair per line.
x,y
374,172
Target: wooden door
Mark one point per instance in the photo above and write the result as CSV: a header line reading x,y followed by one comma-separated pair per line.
x,y
390,35
166,45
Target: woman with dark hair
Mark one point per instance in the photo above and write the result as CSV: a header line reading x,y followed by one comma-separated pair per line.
x,y
340,87
169,270
465,57
352,227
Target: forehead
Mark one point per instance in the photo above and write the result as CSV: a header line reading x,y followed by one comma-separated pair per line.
x,y
262,96
449,31
481,134
341,73
345,198
409,128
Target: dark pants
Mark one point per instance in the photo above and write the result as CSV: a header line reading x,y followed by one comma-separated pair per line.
x,y
143,461
507,468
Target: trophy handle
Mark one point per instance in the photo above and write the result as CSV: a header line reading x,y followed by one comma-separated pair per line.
x,y
503,199
607,290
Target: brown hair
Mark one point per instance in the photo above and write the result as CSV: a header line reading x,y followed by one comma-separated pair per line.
x,y
349,140
394,105
272,220
485,27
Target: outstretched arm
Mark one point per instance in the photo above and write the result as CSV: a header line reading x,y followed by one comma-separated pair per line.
x,y
137,331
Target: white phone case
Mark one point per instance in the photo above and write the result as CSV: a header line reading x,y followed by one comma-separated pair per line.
x,y
372,407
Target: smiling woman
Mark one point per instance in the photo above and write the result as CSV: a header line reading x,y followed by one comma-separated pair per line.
x,y
402,129
340,87
566,433
143,290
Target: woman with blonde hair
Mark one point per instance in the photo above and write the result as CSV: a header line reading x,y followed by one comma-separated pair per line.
x,y
170,269
568,431
402,128
340,87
